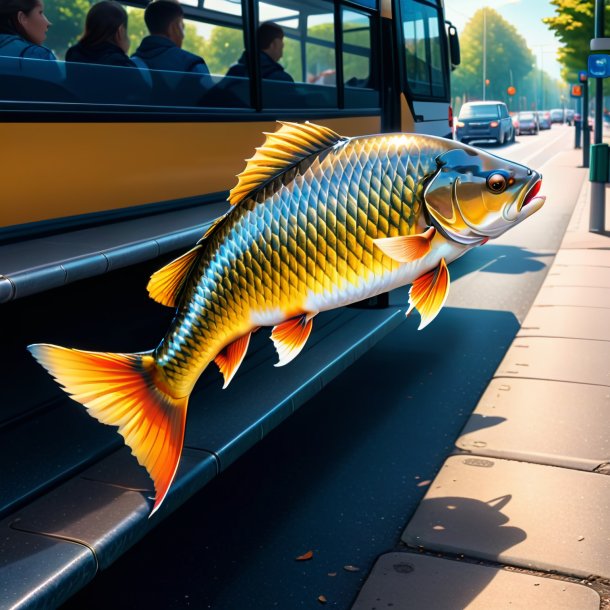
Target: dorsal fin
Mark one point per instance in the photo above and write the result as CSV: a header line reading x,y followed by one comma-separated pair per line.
x,y
281,150
166,284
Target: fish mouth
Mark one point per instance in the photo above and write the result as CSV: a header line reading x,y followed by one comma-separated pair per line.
x,y
532,203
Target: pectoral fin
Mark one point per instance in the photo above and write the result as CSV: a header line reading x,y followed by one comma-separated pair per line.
x,y
230,358
429,292
290,337
407,248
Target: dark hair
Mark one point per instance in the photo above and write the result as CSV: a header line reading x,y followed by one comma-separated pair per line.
x,y
9,9
103,21
267,32
160,14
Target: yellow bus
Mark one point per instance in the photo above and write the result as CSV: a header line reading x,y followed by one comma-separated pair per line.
x,y
89,146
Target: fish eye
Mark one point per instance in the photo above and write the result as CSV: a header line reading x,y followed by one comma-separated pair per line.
x,y
497,183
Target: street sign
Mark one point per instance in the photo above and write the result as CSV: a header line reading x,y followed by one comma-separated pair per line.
x,y
582,76
599,66
576,91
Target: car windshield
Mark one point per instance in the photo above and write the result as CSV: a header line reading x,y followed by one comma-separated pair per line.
x,y
526,115
485,111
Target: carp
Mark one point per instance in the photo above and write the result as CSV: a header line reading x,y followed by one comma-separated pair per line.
x,y
317,221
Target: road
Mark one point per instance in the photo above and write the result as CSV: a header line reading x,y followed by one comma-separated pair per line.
x,y
343,475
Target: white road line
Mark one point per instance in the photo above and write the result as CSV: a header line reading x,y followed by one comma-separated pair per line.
x,y
552,143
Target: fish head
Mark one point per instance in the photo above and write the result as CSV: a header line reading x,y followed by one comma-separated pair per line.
x,y
474,196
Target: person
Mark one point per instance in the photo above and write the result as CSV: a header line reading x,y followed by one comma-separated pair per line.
x,y
162,50
105,39
270,38
23,29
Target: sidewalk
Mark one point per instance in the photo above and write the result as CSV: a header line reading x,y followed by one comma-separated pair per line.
x,y
518,515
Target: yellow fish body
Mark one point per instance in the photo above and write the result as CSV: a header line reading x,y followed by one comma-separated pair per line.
x,y
318,221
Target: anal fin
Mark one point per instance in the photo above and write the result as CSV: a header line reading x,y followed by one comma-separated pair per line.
x,y
406,248
429,292
290,337
231,357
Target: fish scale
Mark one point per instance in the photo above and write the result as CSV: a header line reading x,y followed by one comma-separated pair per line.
x,y
319,210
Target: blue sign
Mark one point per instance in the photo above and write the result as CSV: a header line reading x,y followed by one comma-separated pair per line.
x,y
599,66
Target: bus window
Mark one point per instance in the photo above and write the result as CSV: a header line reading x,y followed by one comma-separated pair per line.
x,y
423,49
358,72
308,56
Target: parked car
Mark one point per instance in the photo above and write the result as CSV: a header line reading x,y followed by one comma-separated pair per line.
x,y
485,121
557,115
515,119
544,119
570,116
528,123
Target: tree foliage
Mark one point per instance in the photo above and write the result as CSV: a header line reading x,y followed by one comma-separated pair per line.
x,y
68,19
509,60
573,23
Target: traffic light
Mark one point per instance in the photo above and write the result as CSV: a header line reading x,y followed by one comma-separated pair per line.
x,y
576,91
582,76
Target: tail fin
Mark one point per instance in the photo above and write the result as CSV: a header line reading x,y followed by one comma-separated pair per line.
x,y
120,390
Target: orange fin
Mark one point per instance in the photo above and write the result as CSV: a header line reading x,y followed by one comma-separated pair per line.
x,y
120,390
407,248
290,337
282,150
166,284
429,293
229,359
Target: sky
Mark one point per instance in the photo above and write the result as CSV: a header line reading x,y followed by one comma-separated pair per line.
x,y
525,15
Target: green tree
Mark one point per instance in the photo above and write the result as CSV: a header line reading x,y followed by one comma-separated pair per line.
x,y
68,19
509,61
220,50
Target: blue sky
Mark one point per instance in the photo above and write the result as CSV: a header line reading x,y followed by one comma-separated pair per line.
x,y
525,15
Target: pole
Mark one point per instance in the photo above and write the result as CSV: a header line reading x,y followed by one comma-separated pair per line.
x,y
586,134
484,51
597,221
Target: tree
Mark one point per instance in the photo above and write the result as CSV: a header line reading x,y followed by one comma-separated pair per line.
x,y
222,49
68,19
509,60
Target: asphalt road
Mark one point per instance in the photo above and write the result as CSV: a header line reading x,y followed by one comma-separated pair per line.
x,y
343,475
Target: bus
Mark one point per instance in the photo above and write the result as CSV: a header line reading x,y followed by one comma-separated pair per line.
x,y
89,147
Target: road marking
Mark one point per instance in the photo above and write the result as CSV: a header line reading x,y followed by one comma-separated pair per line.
x,y
552,143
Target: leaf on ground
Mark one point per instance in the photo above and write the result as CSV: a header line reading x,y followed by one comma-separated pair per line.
x,y
305,556
322,599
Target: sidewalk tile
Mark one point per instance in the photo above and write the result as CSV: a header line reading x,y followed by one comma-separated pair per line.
x,y
584,257
565,275
527,515
584,296
576,360
406,581
566,321
546,422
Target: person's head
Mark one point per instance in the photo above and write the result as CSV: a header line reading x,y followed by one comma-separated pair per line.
x,y
106,22
165,18
271,39
25,18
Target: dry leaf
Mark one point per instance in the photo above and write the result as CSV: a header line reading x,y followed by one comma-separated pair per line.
x,y
322,599
351,568
332,573
305,556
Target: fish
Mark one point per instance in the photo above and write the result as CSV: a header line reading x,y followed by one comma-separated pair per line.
x,y
317,221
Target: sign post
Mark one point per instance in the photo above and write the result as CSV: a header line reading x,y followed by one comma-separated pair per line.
x,y
599,68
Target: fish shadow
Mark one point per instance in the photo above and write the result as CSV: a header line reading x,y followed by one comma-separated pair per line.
x,y
509,260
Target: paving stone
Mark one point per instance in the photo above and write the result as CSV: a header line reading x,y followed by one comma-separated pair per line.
x,y
528,515
548,422
583,296
566,321
576,360
564,275
405,581
584,257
